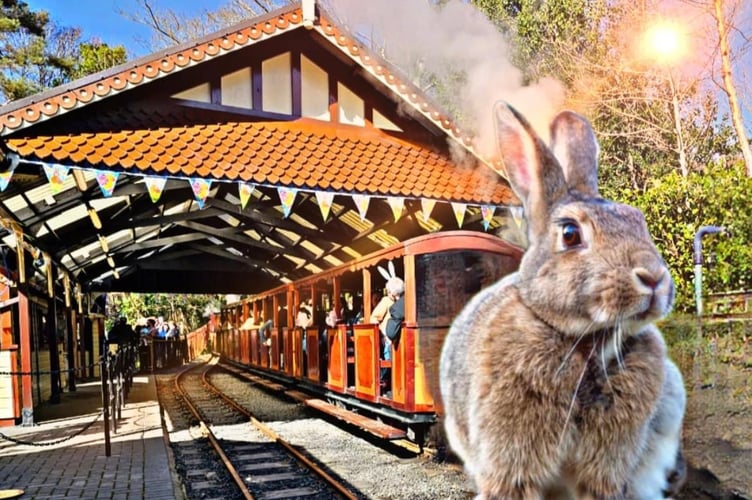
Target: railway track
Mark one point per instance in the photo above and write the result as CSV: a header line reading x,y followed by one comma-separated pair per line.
x,y
230,454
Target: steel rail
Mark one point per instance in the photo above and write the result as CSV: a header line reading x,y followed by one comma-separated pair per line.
x,y
210,435
268,432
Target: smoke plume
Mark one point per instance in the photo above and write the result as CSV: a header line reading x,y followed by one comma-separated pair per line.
x,y
420,37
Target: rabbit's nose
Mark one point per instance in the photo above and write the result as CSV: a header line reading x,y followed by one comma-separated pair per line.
x,y
647,278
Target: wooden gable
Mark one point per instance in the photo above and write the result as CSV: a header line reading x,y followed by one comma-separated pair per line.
x,y
270,103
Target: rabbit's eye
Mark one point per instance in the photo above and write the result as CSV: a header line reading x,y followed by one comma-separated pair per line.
x,y
570,235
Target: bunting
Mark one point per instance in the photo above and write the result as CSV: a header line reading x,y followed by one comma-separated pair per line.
x,y
201,188
287,198
155,185
245,190
5,177
56,175
106,181
396,204
361,202
459,212
325,201
426,207
487,212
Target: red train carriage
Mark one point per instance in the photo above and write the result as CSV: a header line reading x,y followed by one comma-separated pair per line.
x,y
340,366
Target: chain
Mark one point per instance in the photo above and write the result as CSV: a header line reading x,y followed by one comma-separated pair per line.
x,y
53,372
52,443
69,370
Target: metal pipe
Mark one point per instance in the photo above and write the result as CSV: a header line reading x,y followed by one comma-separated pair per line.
x,y
698,261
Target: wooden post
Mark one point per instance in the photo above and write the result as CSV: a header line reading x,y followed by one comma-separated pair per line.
x,y
367,306
27,400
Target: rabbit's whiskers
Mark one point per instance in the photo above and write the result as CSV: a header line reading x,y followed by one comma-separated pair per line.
x,y
618,339
571,350
574,396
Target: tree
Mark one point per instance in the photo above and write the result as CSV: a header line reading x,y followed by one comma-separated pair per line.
x,y
190,310
95,56
651,116
676,207
170,27
22,32
729,86
37,54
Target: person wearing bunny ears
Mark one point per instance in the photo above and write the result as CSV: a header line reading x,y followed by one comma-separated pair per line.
x,y
395,288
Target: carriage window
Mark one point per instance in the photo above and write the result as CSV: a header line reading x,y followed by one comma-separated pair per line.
x,y
446,281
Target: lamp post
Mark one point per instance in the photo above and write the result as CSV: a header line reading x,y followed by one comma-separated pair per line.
x,y
698,261
664,42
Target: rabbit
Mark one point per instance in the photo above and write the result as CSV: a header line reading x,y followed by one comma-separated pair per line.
x,y
555,380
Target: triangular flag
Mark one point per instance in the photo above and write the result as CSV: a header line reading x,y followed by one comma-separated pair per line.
x,y
516,215
362,201
487,211
155,185
426,207
106,181
201,189
245,191
459,212
5,177
56,174
396,204
287,197
325,203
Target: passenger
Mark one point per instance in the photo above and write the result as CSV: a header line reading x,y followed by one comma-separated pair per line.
x,y
332,319
172,330
395,288
304,319
352,311
265,330
282,314
151,325
120,333
360,315
396,318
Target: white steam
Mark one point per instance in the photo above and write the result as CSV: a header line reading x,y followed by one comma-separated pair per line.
x,y
417,36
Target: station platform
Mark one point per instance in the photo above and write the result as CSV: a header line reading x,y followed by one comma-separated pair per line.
x,y
64,456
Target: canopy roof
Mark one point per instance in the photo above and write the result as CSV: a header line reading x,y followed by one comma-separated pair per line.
x,y
295,109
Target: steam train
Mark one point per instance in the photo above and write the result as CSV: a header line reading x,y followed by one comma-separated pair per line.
x,y
339,369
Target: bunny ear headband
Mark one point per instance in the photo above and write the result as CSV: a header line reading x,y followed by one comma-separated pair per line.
x,y
388,275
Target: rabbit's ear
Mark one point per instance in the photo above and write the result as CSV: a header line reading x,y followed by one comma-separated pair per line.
x,y
383,272
575,146
533,172
392,272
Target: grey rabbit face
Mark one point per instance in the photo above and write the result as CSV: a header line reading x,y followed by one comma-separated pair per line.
x,y
591,263
596,268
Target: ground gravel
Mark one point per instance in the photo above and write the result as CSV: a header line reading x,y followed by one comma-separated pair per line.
x,y
372,468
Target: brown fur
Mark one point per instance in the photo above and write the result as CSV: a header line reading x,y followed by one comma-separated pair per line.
x,y
550,378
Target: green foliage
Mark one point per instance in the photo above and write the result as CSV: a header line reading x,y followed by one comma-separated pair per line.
x,y
96,56
35,54
15,16
190,310
676,207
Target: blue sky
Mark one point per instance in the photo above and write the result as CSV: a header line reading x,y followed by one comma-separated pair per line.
x,y
100,18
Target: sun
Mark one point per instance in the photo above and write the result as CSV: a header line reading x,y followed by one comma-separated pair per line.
x,y
665,42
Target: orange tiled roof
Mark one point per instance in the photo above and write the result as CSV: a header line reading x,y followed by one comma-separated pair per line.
x,y
26,112
302,153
